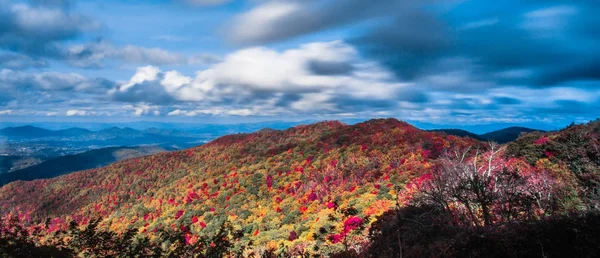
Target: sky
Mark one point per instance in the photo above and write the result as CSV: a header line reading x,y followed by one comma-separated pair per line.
x,y
439,62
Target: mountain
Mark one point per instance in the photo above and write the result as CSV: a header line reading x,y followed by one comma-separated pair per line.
x,y
26,131
11,163
507,134
72,132
318,189
565,175
298,187
70,163
167,132
33,142
80,134
500,136
459,132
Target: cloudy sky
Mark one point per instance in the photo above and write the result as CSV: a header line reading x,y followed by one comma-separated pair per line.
x,y
445,62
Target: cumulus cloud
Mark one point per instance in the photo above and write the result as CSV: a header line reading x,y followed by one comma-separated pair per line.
x,y
316,77
330,78
143,109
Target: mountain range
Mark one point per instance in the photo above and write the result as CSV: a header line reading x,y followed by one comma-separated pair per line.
x,y
28,145
97,158
29,132
311,190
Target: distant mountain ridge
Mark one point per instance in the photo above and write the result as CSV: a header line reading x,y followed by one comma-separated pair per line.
x,y
32,132
502,136
27,131
71,163
459,132
508,134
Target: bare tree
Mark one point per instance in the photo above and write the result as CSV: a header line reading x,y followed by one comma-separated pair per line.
x,y
480,187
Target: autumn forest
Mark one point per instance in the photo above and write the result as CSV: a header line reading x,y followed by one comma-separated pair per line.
x,y
381,188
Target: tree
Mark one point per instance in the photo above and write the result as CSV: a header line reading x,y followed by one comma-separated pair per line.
x,y
482,188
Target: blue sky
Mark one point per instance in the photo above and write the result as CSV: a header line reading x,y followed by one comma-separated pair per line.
x,y
441,62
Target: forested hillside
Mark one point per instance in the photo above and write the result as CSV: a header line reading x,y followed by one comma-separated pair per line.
x,y
294,188
311,190
77,162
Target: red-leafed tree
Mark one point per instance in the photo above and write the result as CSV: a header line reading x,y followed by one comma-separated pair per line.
x,y
482,188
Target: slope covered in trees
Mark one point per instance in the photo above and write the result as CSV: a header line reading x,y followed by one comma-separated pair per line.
x,y
571,154
306,189
77,162
13,163
536,197
319,190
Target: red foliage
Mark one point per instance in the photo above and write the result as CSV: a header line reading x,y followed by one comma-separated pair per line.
x,y
541,141
334,163
336,238
352,223
269,181
179,214
293,236
312,196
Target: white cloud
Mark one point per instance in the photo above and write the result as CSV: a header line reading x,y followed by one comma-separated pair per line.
x,y
212,111
74,112
146,73
143,109
312,78
6,112
258,23
174,80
